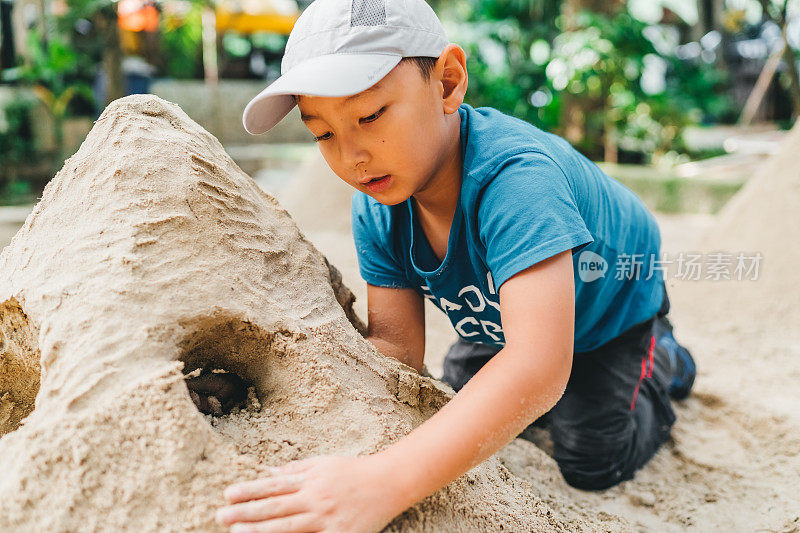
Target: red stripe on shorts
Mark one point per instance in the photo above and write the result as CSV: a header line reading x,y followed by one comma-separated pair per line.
x,y
647,370
641,377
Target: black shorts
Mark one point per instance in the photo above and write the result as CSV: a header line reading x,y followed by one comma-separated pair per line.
x,y
615,412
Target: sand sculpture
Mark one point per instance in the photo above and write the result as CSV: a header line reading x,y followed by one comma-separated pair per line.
x,y
149,255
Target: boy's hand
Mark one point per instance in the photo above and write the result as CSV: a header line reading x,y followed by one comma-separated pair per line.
x,y
321,494
216,393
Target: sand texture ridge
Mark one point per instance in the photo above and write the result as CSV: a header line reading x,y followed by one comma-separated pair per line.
x,y
151,254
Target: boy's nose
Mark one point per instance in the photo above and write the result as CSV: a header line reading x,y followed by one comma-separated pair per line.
x,y
353,155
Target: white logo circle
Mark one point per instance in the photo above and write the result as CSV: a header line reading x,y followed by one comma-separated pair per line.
x,y
591,266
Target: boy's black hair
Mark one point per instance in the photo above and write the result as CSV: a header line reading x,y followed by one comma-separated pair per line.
x,y
424,64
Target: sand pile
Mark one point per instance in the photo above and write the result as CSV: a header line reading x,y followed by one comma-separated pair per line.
x,y
152,254
764,218
759,319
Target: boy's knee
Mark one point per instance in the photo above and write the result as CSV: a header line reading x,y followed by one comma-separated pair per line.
x,y
595,460
594,473
455,375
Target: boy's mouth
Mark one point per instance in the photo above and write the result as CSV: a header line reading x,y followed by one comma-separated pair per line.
x,y
372,179
378,183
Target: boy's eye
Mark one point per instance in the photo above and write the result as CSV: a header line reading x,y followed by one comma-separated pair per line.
x,y
370,118
373,116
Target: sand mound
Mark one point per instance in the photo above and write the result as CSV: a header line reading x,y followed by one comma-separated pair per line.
x,y
754,323
764,217
151,254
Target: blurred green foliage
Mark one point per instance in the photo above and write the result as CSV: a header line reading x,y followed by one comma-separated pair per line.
x,y
53,75
608,59
16,134
498,36
89,44
54,70
181,43
17,145
522,63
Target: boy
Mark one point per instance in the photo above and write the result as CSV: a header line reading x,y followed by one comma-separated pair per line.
x,y
509,231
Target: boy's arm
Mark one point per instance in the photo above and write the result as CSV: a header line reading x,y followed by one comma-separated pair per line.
x,y
519,384
396,327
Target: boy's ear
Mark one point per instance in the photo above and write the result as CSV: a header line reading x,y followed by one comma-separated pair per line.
x,y
451,72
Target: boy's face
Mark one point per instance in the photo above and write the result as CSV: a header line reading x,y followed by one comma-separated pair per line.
x,y
396,128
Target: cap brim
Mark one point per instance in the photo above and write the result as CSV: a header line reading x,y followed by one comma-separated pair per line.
x,y
330,75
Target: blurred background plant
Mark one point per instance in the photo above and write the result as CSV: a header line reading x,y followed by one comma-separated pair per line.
x,y
53,74
181,38
17,145
614,86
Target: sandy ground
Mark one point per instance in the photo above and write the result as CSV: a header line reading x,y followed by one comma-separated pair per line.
x,y
119,308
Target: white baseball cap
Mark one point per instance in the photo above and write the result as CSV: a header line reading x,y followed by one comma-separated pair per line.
x,y
343,47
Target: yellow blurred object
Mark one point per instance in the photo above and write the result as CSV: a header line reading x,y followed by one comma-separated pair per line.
x,y
733,20
130,42
247,16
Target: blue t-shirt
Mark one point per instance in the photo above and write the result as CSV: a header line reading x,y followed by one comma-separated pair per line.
x,y
526,195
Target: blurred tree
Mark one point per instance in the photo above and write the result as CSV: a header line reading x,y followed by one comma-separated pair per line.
x,y
598,79
105,45
570,9
52,72
8,56
181,40
576,108
508,46
17,145
644,96
190,40
777,13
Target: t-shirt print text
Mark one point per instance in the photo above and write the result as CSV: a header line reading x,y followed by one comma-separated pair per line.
x,y
470,310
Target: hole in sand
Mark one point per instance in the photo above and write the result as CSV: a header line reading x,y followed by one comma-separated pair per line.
x,y
231,363
275,366
223,358
216,391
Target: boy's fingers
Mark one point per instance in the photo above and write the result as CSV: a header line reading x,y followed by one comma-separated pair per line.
x,y
200,401
216,394
263,488
294,467
300,523
264,509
